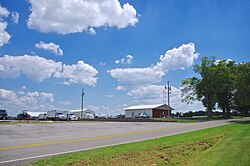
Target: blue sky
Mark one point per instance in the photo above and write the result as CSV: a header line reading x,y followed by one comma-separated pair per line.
x,y
121,52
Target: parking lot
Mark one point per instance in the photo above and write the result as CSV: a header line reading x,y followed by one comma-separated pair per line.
x,y
22,143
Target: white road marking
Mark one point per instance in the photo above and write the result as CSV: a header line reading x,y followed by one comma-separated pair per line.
x,y
84,149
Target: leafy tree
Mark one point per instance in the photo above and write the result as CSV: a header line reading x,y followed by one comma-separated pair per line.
x,y
189,89
224,77
222,83
202,89
242,96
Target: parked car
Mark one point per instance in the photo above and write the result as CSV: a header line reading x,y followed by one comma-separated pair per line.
x,y
72,116
61,116
142,115
101,116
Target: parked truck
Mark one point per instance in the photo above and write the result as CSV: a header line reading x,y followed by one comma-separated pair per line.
x,y
56,115
3,115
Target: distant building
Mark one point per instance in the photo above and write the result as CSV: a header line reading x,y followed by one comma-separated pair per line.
x,y
86,113
153,111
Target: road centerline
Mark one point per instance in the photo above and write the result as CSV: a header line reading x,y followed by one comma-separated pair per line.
x,y
90,138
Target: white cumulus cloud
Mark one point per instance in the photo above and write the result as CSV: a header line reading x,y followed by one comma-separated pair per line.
x,y
29,98
54,48
38,69
47,97
3,12
78,73
34,67
4,35
136,76
64,16
7,95
155,94
127,60
35,101
149,92
176,58
15,17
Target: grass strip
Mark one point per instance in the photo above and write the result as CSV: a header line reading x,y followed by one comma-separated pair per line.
x,y
178,120
214,146
233,150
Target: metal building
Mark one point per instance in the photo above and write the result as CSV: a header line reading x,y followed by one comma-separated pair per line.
x,y
153,111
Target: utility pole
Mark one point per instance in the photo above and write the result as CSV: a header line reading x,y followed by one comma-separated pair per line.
x,y
168,92
165,95
82,102
168,98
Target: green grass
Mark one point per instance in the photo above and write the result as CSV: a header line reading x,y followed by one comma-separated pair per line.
x,y
178,120
15,122
192,120
230,151
224,145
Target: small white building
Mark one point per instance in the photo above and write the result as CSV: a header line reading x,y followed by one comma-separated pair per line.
x,y
86,113
153,111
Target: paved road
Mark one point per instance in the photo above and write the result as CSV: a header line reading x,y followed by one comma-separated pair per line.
x,y
23,143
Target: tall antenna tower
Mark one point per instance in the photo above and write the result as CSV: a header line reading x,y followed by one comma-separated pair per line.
x,y
82,102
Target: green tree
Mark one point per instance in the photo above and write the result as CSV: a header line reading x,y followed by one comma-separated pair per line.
x,y
202,89
242,96
224,77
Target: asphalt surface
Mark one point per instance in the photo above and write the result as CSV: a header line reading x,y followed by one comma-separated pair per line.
x,y
24,143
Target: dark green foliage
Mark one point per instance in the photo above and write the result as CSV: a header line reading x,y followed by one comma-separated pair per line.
x,y
224,72
242,84
222,83
202,89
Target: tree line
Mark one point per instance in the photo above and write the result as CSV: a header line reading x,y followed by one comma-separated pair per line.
x,y
222,84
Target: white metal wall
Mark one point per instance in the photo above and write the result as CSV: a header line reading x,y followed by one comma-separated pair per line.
x,y
133,113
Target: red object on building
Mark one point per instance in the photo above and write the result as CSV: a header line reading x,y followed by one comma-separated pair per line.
x,y
160,113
